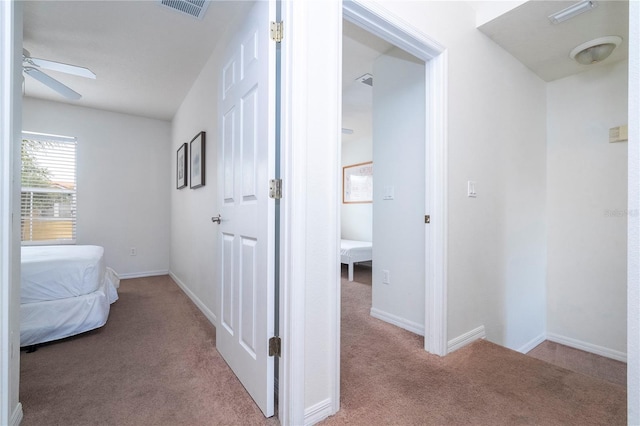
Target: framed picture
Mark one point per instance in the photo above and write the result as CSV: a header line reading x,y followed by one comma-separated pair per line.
x,y
357,183
197,160
181,168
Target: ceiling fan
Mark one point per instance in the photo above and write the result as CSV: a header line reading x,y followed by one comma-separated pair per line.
x,y
31,67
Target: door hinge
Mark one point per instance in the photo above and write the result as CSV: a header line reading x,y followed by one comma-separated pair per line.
x,y
276,31
427,218
274,346
275,189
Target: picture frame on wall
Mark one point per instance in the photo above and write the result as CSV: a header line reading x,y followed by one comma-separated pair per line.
x,y
181,167
357,183
197,160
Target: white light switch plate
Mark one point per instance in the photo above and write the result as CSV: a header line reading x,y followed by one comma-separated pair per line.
x,y
471,189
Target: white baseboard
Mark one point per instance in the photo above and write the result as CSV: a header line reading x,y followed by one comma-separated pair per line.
x,y
16,416
397,321
588,347
195,299
465,339
532,343
143,274
317,413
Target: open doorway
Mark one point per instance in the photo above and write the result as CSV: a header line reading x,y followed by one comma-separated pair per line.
x,y
433,218
383,137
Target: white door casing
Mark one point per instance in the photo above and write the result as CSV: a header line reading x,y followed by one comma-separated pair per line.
x,y
246,162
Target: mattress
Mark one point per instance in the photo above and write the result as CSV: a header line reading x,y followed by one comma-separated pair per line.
x,y
66,290
356,249
59,272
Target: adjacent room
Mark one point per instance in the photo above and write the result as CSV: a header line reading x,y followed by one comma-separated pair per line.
x,y
140,105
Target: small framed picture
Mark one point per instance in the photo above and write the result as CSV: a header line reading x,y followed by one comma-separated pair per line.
x,y
181,168
357,183
197,160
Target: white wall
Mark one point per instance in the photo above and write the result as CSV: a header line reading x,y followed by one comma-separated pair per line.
x,y
357,219
399,162
587,208
496,137
123,179
193,236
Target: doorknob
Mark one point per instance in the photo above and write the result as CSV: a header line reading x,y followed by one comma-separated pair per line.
x,y
216,219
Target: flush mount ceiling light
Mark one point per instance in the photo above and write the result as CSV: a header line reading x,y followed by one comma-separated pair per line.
x,y
572,11
595,51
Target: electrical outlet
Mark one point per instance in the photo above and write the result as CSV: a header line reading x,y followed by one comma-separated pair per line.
x,y
386,277
133,251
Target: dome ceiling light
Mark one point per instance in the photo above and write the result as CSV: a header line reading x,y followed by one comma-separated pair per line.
x,y
596,50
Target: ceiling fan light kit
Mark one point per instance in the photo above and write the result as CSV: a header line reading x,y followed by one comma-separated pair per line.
x,y
596,50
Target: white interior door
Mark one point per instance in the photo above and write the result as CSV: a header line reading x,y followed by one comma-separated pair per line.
x,y
246,162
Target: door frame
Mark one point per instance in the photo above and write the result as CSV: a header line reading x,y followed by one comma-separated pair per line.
x,y
378,21
309,25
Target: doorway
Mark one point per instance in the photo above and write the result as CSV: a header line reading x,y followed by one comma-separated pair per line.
x,y
383,110
387,28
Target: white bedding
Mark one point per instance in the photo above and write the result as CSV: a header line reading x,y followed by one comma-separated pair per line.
x,y
58,272
66,290
355,251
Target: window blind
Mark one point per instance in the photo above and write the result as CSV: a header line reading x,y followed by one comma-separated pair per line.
x,y
48,196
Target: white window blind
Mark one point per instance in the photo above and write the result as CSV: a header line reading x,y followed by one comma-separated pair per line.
x,y
48,196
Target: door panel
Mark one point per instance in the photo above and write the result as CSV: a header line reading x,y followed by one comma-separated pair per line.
x,y
246,162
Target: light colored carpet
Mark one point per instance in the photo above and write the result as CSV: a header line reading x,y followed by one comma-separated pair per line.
x,y
581,362
388,379
155,363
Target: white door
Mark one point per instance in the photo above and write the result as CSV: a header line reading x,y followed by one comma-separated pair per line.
x,y
246,162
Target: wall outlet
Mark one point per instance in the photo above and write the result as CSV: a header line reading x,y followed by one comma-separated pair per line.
x,y
386,279
133,251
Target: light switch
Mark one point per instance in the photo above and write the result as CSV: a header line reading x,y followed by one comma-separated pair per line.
x,y
471,189
388,193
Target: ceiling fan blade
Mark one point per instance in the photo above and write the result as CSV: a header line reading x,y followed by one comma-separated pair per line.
x,y
59,66
52,83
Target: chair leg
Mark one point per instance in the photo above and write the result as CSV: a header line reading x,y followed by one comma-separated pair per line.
x,y
350,271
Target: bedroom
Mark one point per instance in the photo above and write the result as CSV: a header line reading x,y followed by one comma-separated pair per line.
x,y
180,220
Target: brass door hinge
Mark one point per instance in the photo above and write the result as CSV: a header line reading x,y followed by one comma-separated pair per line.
x,y
276,31
427,218
274,346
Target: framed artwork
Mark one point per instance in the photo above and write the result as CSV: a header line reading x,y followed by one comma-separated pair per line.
x,y
357,183
197,160
181,167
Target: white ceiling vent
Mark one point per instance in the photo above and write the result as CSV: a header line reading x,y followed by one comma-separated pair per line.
x,y
194,8
366,79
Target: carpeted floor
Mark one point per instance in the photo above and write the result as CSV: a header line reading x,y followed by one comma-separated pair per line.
x,y
581,362
155,363
387,378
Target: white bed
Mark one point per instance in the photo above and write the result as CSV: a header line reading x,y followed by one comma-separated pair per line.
x,y
355,251
65,290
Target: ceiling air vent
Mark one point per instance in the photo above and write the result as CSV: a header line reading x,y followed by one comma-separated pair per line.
x,y
194,8
366,79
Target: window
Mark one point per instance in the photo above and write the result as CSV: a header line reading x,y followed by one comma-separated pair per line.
x,y
48,196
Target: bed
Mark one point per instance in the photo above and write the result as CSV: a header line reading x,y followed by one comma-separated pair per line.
x,y
352,252
65,290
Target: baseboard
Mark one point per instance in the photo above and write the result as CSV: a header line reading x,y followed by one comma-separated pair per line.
x,y
143,274
16,416
588,347
465,339
317,413
213,319
397,321
532,343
